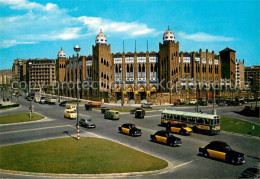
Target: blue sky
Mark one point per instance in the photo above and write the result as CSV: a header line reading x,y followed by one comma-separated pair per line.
x,y
38,29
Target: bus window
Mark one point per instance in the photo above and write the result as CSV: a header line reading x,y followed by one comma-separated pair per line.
x,y
200,121
216,121
207,121
184,118
176,117
163,116
192,119
171,116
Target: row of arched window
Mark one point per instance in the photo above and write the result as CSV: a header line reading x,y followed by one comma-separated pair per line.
x,y
62,66
104,76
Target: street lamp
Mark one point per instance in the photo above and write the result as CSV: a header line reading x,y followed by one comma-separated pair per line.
x,y
29,89
77,49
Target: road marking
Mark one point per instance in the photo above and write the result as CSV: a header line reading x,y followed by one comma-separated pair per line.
x,y
182,164
26,130
152,116
84,115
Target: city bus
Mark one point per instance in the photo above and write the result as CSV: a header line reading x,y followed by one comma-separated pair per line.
x,y
199,122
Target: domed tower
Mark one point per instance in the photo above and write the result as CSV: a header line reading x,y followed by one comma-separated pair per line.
x,y
169,60
61,65
101,38
102,65
168,36
61,54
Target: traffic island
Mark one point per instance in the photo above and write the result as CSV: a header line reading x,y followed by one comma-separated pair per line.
x,y
88,155
239,126
19,117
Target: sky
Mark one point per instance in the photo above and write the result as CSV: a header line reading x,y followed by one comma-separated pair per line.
x,y
38,29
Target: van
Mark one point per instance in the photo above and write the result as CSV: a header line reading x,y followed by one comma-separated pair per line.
x,y
114,115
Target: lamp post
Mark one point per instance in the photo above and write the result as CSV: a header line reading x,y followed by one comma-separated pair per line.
x,y
29,88
77,49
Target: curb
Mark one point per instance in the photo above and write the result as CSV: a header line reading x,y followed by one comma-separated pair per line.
x,y
241,135
10,109
41,120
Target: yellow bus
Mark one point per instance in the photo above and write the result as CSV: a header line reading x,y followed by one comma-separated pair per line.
x,y
199,122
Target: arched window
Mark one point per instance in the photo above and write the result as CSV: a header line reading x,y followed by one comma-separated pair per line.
x,y
102,74
127,68
107,63
143,68
188,68
105,76
185,68
116,69
101,60
172,72
139,68
131,69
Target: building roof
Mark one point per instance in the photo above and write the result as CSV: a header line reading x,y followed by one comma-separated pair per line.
x,y
227,50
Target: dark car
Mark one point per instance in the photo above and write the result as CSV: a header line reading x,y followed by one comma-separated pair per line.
x,y
133,110
140,113
146,106
253,172
179,128
87,123
166,138
63,103
88,107
222,103
104,110
130,129
220,150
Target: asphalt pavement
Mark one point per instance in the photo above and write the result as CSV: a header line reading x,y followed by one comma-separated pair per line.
x,y
186,163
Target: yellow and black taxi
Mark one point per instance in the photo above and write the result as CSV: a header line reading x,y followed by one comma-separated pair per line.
x,y
71,114
167,138
220,150
179,128
130,129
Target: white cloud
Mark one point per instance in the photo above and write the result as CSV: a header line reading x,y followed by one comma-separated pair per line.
x,y
9,43
204,37
48,22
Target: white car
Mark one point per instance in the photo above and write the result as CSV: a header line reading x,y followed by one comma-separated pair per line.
x,y
193,101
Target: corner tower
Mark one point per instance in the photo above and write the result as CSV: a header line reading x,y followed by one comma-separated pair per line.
x,y
102,65
61,65
168,61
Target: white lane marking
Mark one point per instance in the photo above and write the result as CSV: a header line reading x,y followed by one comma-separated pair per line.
x,y
152,116
182,164
26,130
84,115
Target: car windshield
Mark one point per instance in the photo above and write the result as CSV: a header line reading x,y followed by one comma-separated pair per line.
x,y
227,147
88,120
71,112
132,126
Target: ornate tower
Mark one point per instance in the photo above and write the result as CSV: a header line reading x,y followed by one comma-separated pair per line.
x,y
61,65
102,71
169,72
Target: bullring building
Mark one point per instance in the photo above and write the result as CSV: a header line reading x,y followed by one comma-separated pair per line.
x,y
134,77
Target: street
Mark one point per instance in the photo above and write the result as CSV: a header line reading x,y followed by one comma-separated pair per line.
x,y
185,161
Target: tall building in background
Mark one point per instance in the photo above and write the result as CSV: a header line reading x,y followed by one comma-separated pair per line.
x,y
228,66
252,75
41,71
240,77
19,70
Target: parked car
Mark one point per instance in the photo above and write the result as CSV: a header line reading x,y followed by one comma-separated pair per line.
x,y
88,123
63,103
42,100
146,106
193,101
71,114
252,172
220,150
37,99
112,115
179,128
130,129
222,103
166,137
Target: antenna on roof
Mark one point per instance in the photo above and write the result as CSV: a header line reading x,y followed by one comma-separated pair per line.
x,y
101,30
168,27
